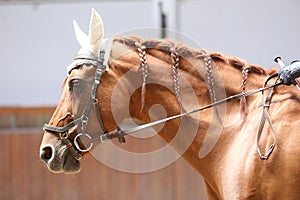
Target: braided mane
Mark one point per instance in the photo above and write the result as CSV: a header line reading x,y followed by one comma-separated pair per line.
x,y
177,50
185,51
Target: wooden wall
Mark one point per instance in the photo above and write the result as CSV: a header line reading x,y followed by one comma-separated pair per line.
x,y
23,176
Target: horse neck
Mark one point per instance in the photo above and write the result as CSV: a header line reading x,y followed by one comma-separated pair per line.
x,y
206,83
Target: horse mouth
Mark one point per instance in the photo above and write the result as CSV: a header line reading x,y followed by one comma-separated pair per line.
x,y
59,158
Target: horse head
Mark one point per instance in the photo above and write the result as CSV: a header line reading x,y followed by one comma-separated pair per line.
x,y
63,142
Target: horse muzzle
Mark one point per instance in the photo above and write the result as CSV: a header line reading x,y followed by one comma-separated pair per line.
x,y
59,157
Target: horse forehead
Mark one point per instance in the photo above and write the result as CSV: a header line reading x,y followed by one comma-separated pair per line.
x,y
83,72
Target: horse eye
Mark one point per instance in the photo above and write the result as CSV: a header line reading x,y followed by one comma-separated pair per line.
x,y
74,82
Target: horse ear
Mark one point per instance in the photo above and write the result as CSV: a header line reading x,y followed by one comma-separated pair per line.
x,y
81,36
96,31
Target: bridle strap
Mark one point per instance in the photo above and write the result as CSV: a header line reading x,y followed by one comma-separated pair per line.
x,y
62,129
98,115
93,101
70,146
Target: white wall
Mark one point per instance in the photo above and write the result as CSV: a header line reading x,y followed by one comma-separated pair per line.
x,y
254,30
37,41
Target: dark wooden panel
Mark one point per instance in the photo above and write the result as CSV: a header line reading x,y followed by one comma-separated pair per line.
x,y
24,176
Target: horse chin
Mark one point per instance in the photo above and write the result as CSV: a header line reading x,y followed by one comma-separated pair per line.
x,y
71,165
63,161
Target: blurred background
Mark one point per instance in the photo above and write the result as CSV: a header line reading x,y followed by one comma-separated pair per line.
x,y
37,43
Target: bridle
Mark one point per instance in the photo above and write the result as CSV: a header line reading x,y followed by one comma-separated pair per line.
x,y
101,64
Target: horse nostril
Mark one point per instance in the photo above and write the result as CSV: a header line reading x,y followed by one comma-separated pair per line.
x,y
46,154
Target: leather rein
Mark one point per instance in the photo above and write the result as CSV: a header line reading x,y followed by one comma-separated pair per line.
x,y
101,64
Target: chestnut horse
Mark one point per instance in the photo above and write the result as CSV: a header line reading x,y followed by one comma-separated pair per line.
x,y
237,153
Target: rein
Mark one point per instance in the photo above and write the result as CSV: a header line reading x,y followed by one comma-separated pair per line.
x,y
144,126
101,63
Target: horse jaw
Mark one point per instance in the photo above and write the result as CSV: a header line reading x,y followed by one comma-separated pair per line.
x,y
90,43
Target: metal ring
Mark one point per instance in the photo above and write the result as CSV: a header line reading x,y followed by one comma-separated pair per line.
x,y
63,135
84,118
77,145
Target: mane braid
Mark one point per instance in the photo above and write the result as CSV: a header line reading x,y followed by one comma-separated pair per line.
x,y
175,66
142,54
210,78
243,101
